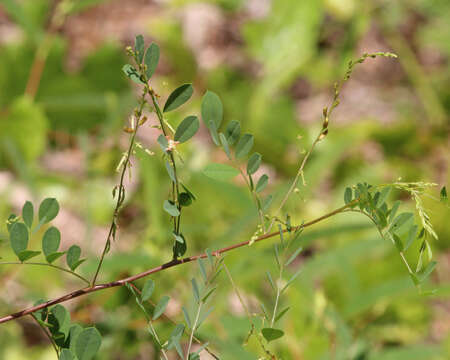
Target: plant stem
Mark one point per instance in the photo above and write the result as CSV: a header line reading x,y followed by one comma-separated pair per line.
x,y
163,267
44,329
49,265
197,316
157,339
121,195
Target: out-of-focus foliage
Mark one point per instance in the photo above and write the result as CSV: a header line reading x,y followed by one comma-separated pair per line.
x,y
273,64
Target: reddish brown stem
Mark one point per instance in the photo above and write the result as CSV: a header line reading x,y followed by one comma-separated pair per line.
x,y
88,290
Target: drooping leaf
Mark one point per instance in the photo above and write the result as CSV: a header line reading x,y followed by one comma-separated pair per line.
x,y
412,235
48,210
28,214
212,109
220,172
233,132
132,74
170,171
195,290
160,307
202,269
186,317
178,97
293,256
267,202
271,334
147,290
269,277
262,183
163,142
51,241
253,163
398,242
244,146
139,48
19,237
187,129
281,314
88,343
151,59
171,208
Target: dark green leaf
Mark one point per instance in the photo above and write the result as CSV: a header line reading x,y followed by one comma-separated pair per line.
x,y
233,132
160,307
187,129
48,210
271,334
19,237
443,194
178,97
262,183
179,247
151,59
132,74
139,48
224,142
12,219
88,343
28,214
184,199
189,192
51,241
253,163
212,109
59,317
27,254
171,208
147,290
73,256
244,146
220,172
348,195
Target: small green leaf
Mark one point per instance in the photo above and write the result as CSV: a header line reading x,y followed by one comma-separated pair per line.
x,y
178,97
253,163
398,242
202,269
51,241
147,290
171,208
267,202
170,171
233,132
74,331
400,220
163,143
53,256
48,210
151,59
88,343
210,257
186,317
139,48
212,109
262,183
269,277
160,307
383,196
348,195
443,194
208,294
294,256
66,354
179,247
195,289
220,172
59,317
189,192
28,214
27,254
271,334
412,235
132,74
224,142
213,132
291,280
12,219
187,129
281,314
244,146
184,199
427,271
73,256
19,237
394,209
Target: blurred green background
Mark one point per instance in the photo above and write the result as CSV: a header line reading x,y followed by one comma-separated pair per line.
x,y
64,101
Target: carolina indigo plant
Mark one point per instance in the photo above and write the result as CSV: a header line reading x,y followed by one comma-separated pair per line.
x,y
73,341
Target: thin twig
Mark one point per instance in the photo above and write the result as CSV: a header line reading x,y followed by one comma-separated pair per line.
x,y
162,267
45,330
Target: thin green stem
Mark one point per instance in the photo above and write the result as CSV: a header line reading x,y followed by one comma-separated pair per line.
x,y
157,340
44,329
121,195
49,265
194,325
